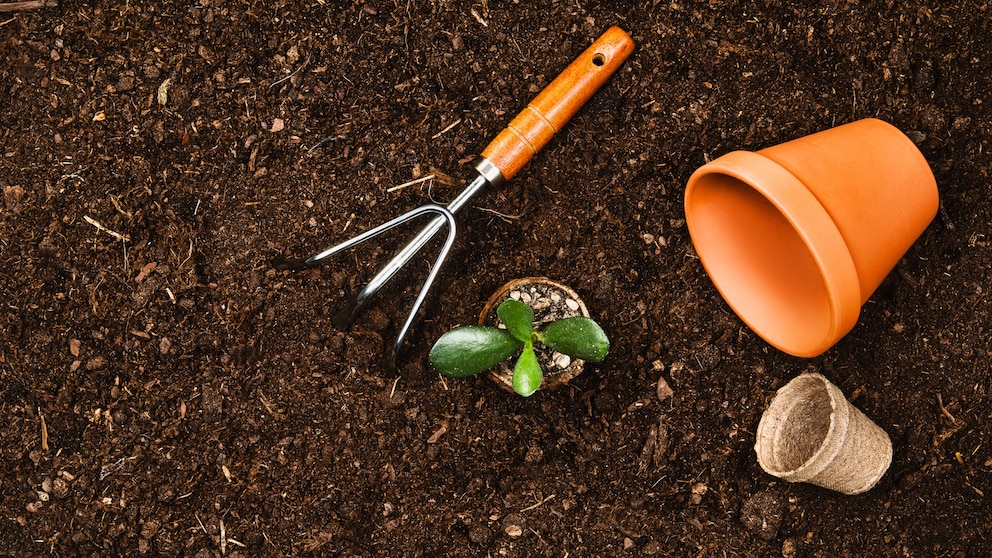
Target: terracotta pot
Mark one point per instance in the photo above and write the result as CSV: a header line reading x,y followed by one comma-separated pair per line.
x,y
811,433
551,301
797,236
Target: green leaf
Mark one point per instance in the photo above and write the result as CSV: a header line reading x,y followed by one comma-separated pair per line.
x,y
518,317
465,351
527,375
577,337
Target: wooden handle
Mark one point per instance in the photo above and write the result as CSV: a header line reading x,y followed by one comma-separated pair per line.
x,y
554,107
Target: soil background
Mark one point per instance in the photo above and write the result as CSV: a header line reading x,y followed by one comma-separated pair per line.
x,y
166,391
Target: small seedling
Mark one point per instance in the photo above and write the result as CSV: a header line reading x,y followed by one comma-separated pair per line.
x,y
468,350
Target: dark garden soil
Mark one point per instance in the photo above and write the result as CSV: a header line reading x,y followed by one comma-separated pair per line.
x,y
165,391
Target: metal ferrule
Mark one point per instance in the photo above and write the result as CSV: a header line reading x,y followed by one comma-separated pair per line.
x,y
490,172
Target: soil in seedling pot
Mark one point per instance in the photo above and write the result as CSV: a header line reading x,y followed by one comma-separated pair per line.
x,y
551,301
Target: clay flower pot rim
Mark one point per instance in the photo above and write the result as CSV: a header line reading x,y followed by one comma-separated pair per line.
x,y
812,223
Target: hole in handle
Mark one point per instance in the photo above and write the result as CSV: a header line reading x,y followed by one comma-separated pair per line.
x,y
599,59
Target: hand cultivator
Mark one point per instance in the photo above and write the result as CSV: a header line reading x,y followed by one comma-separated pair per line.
x,y
526,135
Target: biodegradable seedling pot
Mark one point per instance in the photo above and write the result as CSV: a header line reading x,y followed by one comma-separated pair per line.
x,y
551,301
797,236
811,433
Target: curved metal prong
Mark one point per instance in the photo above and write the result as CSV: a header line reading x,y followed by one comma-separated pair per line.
x,y
445,217
449,241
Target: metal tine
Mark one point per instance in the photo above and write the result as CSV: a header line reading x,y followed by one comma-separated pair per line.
x,y
449,241
445,217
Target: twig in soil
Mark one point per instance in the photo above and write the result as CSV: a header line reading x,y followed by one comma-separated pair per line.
x,y
447,129
478,17
44,432
119,208
410,183
117,235
320,143
275,412
946,413
501,215
441,431
539,504
290,76
28,5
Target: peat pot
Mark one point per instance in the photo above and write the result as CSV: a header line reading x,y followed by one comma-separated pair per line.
x,y
812,433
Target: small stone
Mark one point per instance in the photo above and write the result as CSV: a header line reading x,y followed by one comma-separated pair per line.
x,y
534,455
164,345
762,514
572,304
480,535
12,196
628,543
515,295
60,488
149,529
46,486
526,298
789,548
561,360
513,525
664,390
96,363
698,490
377,319
652,548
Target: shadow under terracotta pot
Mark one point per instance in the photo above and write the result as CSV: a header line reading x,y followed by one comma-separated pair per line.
x,y
797,236
551,301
